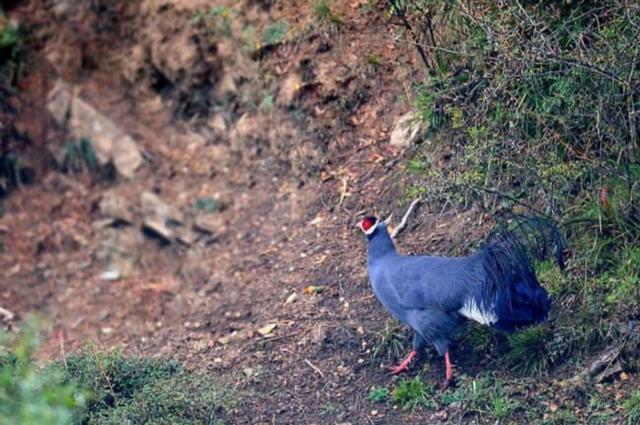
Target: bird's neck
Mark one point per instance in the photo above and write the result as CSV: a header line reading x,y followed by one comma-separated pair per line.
x,y
380,243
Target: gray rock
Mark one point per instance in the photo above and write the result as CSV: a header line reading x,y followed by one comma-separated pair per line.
x,y
158,227
405,131
209,223
116,207
108,141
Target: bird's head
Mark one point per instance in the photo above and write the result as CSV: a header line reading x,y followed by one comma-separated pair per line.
x,y
368,225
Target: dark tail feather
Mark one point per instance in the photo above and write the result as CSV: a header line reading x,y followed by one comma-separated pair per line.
x,y
511,288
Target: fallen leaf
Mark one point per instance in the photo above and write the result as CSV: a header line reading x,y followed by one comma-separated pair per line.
x,y
266,330
553,407
624,376
313,289
291,298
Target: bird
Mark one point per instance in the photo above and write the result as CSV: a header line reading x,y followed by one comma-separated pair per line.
x,y
434,296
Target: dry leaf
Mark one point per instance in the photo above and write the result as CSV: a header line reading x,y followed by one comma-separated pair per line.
x,y
313,289
266,330
553,407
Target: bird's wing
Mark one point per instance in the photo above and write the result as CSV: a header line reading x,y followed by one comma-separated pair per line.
x,y
422,282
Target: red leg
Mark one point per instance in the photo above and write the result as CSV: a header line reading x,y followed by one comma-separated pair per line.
x,y
448,366
405,363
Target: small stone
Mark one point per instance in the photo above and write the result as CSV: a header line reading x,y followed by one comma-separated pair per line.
x,y
116,207
209,223
158,227
291,298
289,88
405,131
110,275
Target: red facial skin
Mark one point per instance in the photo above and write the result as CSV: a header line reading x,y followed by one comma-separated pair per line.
x,y
366,224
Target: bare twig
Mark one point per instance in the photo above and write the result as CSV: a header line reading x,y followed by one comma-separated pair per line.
x,y
103,372
403,222
312,366
607,357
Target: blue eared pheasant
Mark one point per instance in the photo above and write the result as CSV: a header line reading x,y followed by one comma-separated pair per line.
x,y
496,286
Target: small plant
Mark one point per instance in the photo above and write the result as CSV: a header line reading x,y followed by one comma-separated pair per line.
x,y
328,409
79,156
207,204
413,393
488,397
378,394
501,406
632,408
391,341
528,350
325,14
373,59
274,33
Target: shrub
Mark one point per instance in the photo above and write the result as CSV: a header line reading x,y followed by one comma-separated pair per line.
x,y
30,395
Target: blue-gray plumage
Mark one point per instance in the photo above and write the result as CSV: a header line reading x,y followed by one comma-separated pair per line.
x,y
496,286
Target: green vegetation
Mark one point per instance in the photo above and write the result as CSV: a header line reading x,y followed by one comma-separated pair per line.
x,y
413,393
378,394
207,204
79,156
632,408
532,108
97,388
275,33
30,396
325,14
391,340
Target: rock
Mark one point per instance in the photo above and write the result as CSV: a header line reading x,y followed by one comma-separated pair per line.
x,y
109,142
405,131
110,275
152,205
116,207
289,88
209,223
186,236
157,226
218,123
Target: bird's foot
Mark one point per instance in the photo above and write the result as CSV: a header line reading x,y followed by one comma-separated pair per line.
x,y
405,363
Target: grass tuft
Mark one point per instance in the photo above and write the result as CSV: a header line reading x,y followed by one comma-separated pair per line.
x,y
412,393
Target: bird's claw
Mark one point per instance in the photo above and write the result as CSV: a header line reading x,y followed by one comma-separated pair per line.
x,y
394,370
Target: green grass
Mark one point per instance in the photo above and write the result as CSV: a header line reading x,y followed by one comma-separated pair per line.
x,y
528,350
325,14
275,33
79,156
97,388
378,394
413,393
631,407
391,342
489,397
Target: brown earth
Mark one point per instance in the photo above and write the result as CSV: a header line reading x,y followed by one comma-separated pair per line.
x,y
293,141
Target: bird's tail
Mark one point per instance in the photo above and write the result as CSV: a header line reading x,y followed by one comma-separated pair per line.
x,y
510,288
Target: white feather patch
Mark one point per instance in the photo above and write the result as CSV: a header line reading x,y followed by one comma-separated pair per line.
x,y
472,311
